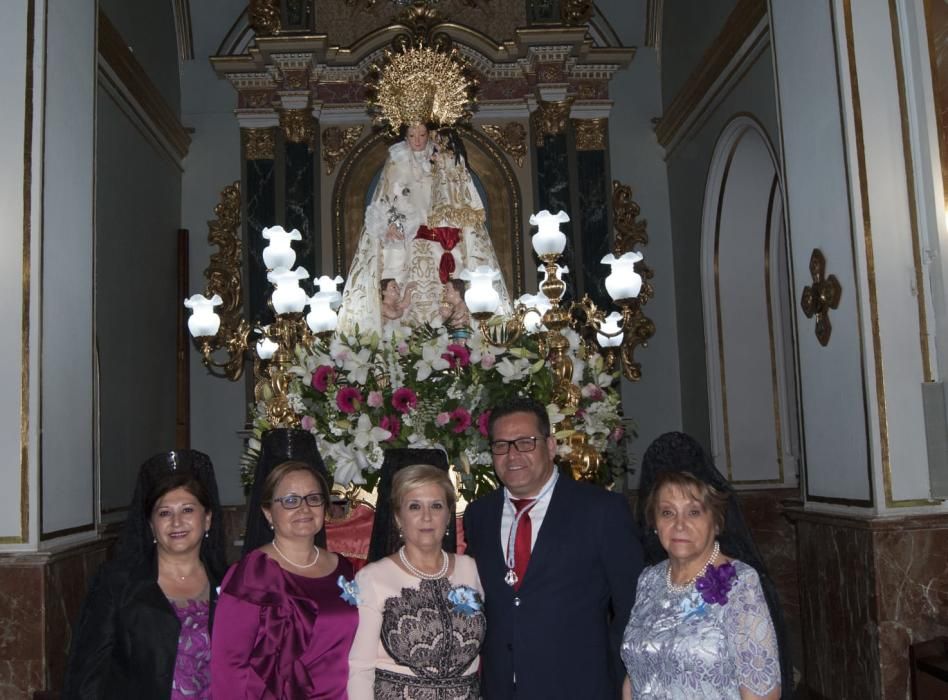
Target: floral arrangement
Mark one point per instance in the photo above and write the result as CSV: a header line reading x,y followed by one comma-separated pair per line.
x,y
422,387
716,583
350,590
464,600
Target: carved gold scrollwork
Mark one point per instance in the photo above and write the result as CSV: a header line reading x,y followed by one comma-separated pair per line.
x,y
821,296
295,79
259,144
550,118
337,142
625,212
511,137
637,327
265,17
298,126
591,134
575,12
223,278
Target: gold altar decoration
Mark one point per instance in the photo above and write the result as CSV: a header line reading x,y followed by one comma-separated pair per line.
x,y
337,142
550,119
259,144
224,279
575,12
265,17
298,126
511,137
591,134
821,296
419,84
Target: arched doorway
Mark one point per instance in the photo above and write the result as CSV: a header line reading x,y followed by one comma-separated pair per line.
x,y
747,312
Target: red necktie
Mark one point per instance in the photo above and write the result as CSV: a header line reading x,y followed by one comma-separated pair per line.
x,y
523,538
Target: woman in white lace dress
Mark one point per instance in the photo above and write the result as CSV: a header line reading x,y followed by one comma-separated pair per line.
x,y
700,627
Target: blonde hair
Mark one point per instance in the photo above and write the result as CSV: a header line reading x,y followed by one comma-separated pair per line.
x,y
416,475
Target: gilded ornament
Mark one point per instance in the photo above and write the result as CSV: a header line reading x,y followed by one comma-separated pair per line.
x,y
420,84
295,79
625,213
337,142
591,134
298,126
821,296
511,137
259,144
550,119
575,12
256,99
265,17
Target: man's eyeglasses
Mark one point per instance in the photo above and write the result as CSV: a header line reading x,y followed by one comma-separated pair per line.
x,y
524,444
292,502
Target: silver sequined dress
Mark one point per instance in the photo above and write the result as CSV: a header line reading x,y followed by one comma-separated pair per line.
x,y
676,646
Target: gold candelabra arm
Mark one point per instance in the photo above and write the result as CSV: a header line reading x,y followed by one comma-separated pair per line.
x,y
503,334
234,340
638,329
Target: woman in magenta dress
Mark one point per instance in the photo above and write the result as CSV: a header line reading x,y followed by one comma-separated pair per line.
x,y
282,627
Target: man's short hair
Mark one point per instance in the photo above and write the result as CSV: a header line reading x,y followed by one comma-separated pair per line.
x,y
520,404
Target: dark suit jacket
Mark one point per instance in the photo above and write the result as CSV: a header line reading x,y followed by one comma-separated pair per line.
x,y
126,641
559,634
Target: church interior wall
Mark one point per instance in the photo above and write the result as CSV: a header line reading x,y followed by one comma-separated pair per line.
x,y
688,28
688,167
218,407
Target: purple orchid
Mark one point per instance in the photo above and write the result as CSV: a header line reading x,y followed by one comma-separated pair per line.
x,y
716,582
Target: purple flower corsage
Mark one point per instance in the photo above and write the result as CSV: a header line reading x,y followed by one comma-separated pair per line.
x,y
716,582
465,600
350,590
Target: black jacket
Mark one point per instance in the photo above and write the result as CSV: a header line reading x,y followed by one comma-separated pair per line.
x,y
559,633
126,641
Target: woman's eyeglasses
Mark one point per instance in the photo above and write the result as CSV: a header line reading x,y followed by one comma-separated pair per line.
x,y
292,502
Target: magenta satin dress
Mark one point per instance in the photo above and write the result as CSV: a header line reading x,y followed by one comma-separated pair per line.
x,y
278,635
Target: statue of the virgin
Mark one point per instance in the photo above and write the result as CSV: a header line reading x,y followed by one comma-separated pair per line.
x,y
425,223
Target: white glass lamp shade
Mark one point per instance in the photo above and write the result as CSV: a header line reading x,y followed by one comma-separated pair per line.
x,y
623,282
481,297
549,240
266,348
321,317
330,285
204,321
279,253
612,325
537,305
288,297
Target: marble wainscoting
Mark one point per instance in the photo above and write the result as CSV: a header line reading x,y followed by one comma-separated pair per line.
x,y
40,598
869,588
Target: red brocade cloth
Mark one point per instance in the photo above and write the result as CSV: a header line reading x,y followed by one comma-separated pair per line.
x,y
448,237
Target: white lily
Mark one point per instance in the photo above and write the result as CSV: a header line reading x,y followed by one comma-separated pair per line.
x,y
555,414
347,469
431,361
511,371
357,366
365,433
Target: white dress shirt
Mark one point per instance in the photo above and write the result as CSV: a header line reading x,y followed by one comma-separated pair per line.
x,y
537,513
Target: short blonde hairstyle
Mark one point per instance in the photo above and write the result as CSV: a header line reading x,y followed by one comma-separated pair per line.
x,y
412,477
714,501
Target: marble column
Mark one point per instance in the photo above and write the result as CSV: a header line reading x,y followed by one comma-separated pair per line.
x,y
259,195
300,178
592,226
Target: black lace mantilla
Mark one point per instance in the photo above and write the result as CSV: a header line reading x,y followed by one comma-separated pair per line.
x,y
421,630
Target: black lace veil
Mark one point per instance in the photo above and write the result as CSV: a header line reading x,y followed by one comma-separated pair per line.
x,y
680,452
384,530
278,446
136,543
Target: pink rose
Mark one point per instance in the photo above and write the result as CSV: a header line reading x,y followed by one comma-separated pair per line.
x,y
322,376
402,348
375,399
488,360
442,419
617,433
482,422
593,392
348,399
392,425
404,400
462,419
308,423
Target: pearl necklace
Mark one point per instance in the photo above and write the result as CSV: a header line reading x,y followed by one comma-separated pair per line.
x,y
676,588
293,563
418,572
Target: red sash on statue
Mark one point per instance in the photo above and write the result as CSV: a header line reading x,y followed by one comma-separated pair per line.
x,y
448,237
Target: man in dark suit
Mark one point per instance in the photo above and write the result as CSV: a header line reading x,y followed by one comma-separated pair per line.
x,y
558,561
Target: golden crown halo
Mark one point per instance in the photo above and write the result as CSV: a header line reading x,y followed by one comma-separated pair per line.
x,y
420,84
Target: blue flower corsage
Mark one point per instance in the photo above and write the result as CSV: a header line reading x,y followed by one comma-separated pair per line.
x,y
465,600
350,590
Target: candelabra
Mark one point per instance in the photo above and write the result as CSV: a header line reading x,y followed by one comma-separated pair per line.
x,y
614,336
273,352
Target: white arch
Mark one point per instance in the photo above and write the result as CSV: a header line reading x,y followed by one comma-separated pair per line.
x,y
746,304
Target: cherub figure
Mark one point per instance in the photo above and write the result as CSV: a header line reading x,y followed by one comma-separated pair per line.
x,y
454,311
394,301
